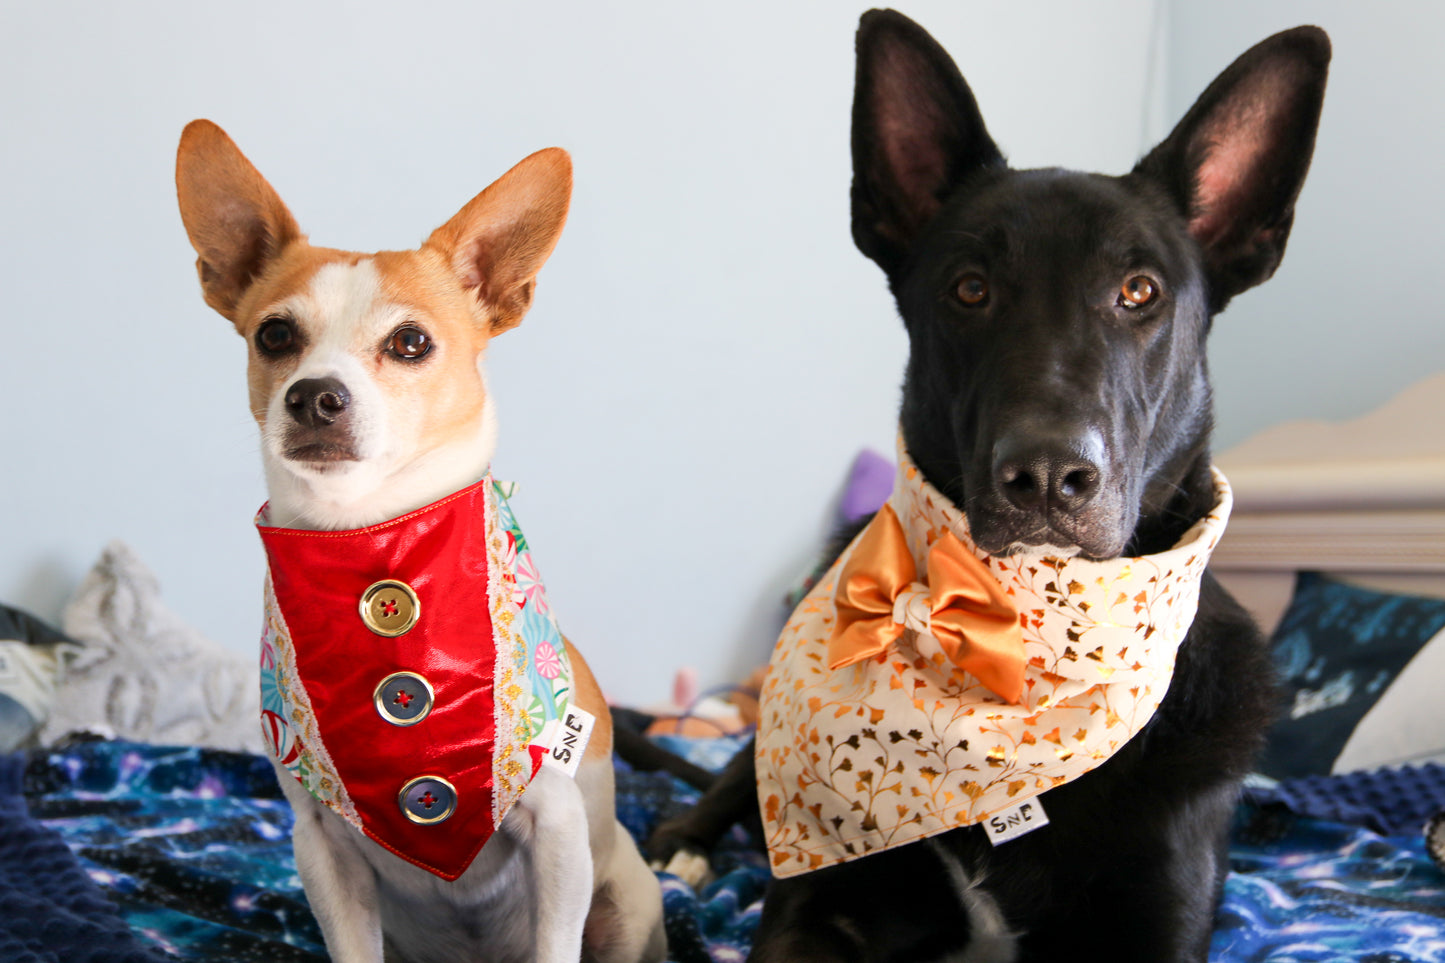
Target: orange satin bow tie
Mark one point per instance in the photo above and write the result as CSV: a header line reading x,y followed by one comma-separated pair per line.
x,y
968,612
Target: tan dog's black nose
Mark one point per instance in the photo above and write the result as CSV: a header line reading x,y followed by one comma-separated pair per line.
x,y
317,402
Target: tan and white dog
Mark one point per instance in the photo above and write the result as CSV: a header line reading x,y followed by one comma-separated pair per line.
x,y
366,381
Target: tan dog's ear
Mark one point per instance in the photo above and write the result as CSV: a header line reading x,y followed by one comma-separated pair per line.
x,y
500,240
235,220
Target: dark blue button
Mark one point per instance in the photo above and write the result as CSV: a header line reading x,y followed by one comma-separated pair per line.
x,y
427,799
404,698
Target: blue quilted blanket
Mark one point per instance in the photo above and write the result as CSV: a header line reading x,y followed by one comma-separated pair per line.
x,y
184,853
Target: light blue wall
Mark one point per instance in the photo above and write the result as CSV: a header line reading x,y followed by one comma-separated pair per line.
x,y
1355,311
707,349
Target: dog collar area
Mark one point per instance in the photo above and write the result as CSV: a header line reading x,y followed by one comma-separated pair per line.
x,y
409,670
906,745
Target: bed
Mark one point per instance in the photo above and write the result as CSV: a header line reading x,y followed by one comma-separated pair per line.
x,y
167,843
1337,546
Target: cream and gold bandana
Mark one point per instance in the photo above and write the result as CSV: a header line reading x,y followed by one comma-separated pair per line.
x,y
863,747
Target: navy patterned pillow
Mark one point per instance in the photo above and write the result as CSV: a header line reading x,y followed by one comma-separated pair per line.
x,y
1339,650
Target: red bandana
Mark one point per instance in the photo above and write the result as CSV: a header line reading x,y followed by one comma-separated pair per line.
x,y
398,662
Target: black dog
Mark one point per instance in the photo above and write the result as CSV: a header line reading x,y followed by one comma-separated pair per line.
x,y
1057,392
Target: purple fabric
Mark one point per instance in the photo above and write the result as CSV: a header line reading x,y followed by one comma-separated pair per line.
x,y
870,481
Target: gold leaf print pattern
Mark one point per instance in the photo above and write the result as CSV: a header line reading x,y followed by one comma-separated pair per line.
x,y
901,747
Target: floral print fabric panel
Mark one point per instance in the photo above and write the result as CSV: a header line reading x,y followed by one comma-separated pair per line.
x,y
534,674
287,723
545,664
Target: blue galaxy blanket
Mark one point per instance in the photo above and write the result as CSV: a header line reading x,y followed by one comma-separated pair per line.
x,y
150,853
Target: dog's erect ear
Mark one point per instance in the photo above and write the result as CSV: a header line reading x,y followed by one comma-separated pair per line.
x,y
1236,162
500,240
235,220
917,133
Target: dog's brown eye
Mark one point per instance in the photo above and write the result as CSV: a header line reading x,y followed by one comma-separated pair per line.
x,y
275,336
409,343
1137,292
972,290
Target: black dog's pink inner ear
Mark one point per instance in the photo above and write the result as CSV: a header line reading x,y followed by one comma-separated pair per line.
x,y
917,134
1236,162
1244,143
912,132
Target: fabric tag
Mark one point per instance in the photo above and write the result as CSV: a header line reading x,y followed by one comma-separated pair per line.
x,y
567,739
1015,821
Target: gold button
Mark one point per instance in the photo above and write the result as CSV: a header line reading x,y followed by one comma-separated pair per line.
x,y
390,608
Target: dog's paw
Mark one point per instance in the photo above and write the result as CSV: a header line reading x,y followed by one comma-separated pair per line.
x,y
689,866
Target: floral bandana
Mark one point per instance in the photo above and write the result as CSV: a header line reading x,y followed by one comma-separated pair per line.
x,y
904,744
483,669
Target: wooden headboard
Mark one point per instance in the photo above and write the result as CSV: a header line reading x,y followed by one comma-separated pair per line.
x,y
1362,500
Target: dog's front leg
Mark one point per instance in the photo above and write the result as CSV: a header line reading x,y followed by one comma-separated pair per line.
x,y
340,886
554,826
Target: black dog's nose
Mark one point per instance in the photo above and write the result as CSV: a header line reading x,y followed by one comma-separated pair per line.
x,y
1037,472
317,402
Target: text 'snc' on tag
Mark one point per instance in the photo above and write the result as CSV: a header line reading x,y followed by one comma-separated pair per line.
x,y
566,739
1015,821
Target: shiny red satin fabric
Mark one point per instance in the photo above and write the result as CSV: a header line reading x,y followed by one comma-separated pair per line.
x,y
319,578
